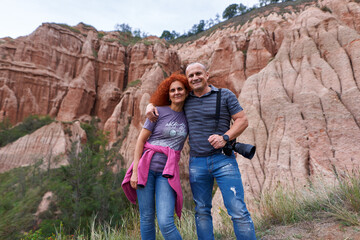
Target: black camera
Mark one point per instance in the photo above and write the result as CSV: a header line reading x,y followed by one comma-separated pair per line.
x,y
246,150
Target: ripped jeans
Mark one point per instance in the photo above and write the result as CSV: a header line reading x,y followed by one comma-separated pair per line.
x,y
224,169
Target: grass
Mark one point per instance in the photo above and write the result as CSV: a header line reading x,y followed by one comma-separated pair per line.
x,y
280,208
75,30
127,39
22,189
134,83
341,202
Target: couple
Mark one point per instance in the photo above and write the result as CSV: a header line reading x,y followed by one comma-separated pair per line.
x,y
157,153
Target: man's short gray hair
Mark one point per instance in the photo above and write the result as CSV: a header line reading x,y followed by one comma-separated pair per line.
x,y
195,63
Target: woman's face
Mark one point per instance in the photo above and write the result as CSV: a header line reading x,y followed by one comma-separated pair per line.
x,y
177,92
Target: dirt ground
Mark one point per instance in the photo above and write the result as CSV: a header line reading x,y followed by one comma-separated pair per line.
x,y
326,229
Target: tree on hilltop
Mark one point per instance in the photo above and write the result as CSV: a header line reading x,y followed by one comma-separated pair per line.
x,y
230,11
167,35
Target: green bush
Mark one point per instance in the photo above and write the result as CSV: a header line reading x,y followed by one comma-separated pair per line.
x,y
10,134
88,185
75,30
18,202
101,35
85,188
4,125
89,188
134,83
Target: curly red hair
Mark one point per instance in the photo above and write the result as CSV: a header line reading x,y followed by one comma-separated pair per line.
x,y
161,96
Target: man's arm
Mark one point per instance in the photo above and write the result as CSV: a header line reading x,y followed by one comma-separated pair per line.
x,y
238,127
151,112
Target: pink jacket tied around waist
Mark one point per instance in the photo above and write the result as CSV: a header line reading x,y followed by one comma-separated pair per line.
x,y
171,171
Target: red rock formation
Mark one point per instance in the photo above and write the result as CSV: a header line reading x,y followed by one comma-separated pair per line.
x,y
304,108
58,70
234,54
49,144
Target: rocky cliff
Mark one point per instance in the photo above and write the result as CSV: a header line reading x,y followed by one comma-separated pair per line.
x,y
304,105
295,71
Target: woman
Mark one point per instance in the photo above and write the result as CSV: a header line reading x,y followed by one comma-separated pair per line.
x,y
154,172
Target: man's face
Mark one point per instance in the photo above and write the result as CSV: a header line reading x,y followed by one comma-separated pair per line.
x,y
197,77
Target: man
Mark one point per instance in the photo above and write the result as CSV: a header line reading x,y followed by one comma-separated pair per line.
x,y
207,162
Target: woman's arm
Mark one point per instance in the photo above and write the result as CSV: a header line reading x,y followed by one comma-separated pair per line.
x,y
143,137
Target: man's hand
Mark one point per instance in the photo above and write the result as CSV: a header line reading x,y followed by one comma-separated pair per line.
x,y
217,141
151,112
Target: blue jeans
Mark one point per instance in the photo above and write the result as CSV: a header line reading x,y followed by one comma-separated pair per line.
x,y
157,187
225,170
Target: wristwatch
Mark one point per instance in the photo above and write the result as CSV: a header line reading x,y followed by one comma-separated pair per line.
x,y
226,138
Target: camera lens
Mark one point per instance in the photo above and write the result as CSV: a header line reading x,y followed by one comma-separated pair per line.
x,y
246,150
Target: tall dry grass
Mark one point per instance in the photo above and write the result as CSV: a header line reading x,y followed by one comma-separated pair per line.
x,y
340,201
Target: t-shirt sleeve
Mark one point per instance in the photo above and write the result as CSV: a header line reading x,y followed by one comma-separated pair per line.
x,y
232,103
149,125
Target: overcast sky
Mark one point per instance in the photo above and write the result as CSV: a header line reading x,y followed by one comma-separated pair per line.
x,y
22,17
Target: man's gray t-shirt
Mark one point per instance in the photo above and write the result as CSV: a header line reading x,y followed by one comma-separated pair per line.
x,y
200,113
170,130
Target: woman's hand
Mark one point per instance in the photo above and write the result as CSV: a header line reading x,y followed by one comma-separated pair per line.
x,y
139,147
134,180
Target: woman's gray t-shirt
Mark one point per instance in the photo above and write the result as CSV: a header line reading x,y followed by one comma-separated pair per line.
x,y
170,130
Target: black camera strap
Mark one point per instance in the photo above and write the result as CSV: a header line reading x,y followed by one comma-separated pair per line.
x,y
218,104
246,150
